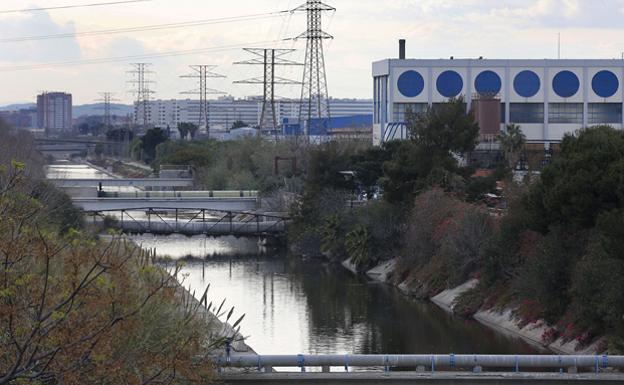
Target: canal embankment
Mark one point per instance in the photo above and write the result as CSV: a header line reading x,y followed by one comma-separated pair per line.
x,y
504,320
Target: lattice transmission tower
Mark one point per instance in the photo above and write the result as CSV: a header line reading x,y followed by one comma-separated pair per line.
x,y
203,72
142,91
269,58
314,94
107,99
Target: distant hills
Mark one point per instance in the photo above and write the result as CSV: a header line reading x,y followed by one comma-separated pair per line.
x,y
13,107
80,110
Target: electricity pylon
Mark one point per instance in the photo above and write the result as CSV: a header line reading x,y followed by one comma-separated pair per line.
x,y
269,58
314,94
203,72
142,91
107,99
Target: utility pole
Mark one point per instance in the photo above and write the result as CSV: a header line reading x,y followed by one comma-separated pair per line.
x,y
203,72
314,94
269,58
107,99
142,91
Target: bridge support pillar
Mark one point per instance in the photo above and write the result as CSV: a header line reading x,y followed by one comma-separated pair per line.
x,y
573,370
421,369
326,369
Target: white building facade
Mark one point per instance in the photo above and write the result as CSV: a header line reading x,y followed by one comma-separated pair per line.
x,y
224,111
546,98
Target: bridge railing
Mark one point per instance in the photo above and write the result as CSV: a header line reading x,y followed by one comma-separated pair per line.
x,y
435,362
180,194
195,221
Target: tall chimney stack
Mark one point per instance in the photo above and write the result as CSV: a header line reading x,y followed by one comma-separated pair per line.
x,y
402,49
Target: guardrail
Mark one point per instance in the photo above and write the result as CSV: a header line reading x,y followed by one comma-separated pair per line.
x,y
180,194
421,363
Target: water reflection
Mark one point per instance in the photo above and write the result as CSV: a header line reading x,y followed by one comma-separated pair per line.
x,y
178,246
296,306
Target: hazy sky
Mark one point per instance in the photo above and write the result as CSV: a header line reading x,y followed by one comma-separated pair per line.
x,y
364,30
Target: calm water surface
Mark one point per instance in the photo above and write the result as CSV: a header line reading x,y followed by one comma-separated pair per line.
x,y
307,306
312,307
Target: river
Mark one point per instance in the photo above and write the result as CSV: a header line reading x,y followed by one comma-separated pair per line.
x,y
296,306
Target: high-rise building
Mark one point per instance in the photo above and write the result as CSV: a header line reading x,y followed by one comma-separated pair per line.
x,y
54,112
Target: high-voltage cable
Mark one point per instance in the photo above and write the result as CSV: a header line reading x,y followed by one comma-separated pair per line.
x,y
153,27
193,51
73,6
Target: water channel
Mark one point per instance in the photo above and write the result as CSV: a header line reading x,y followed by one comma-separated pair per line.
x,y
296,306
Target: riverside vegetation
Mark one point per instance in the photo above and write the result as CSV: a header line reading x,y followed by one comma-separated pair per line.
x,y
554,254
78,310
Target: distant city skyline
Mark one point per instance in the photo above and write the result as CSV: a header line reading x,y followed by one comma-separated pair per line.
x,y
364,30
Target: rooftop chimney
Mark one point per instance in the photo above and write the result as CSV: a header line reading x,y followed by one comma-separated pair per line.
x,y
402,49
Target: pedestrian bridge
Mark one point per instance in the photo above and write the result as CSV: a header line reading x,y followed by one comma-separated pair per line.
x,y
169,203
125,182
420,369
193,222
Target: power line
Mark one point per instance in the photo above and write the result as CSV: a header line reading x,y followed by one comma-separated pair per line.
x,y
134,57
72,6
153,27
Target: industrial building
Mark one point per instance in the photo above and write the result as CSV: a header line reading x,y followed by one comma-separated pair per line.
x,y
54,112
226,110
546,98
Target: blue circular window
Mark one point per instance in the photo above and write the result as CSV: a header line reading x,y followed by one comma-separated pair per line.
x,y
449,84
605,84
566,84
527,84
411,84
488,83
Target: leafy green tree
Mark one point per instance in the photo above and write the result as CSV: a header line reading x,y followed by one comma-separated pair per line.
x,y
152,138
358,247
185,129
192,129
120,134
585,180
368,165
429,158
333,236
444,128
512,142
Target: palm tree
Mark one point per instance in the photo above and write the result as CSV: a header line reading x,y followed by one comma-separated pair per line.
x,y
512,142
